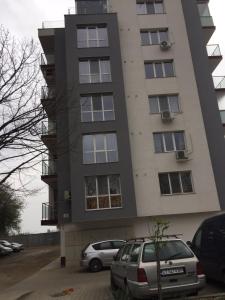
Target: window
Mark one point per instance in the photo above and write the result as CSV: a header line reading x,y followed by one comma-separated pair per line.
x,y
102,192
159,69
154,37
149,7
94,70
135,253
169,141
100,148
91,6
175,183
118,244
162,103
106,246
92,36
97,107
126,251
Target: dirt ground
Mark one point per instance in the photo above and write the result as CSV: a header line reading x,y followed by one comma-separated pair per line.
x,y
18,266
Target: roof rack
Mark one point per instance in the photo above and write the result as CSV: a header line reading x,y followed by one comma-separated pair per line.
x,y
147,238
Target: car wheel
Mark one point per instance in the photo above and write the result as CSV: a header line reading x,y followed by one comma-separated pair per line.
x,y
95,265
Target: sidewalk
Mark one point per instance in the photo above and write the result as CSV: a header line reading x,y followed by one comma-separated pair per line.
x,y
51,281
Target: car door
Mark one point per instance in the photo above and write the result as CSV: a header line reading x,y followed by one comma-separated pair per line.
x,y
106,252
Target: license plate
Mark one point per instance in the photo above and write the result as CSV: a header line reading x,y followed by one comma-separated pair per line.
x,y
172,271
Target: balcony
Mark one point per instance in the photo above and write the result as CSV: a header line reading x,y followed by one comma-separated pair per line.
x,y
222,115
49,215
48,99
214,55
206,21
48,67
48,136
219,83
91,7
49,175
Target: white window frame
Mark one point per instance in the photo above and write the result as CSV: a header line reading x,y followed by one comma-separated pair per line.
x,y
173,139
163,68
180,181
105,195
157,31
91,75
103,111
90,39
105,150
154,2
168,101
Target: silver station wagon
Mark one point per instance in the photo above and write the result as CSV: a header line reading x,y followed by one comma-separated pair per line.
x,y
134,269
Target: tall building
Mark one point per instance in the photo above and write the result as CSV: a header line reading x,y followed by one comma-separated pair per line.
x,y
134,131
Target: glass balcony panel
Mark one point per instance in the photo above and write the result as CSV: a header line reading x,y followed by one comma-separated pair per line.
x,y
222,115
213,50
219,82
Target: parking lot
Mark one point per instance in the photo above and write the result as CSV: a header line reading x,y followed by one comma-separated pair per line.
x,y
20,275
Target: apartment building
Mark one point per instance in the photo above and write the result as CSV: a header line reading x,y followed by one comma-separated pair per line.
x,y
133,131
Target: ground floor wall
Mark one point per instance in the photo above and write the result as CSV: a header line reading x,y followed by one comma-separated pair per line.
x,y
75,237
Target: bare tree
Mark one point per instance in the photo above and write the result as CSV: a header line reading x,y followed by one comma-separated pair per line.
x,y
21,112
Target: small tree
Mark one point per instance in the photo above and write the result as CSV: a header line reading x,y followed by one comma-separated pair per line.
x,y
10,210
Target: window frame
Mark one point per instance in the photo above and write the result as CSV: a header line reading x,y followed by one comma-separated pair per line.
x,y
180,182
162,63
157,31
90,75
173,141
103,195
103,111
168,98
154,4
88,39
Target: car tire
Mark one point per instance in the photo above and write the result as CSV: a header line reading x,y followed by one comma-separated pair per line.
x,y
95,265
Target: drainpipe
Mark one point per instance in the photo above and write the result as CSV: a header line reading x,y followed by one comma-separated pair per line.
x,y
62,247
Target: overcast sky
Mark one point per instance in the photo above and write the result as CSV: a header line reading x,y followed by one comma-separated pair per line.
x,y
22,18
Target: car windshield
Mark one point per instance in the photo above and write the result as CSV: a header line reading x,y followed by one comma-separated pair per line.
x,y
167,250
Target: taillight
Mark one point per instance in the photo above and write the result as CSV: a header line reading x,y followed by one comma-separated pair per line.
x,y
141,275
199,269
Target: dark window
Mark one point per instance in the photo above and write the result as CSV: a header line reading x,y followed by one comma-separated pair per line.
x,y
173,183
169,141
117,244
153,37
126,252
91,6
106,246
159,69
119,254
145,7
96,246
162,103
94,70
135,253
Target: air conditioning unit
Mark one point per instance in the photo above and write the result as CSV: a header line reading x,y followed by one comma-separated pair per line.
x,y
165,45
167,116
181,155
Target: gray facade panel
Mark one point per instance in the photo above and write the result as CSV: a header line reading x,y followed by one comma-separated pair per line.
x,y
207,95
78,170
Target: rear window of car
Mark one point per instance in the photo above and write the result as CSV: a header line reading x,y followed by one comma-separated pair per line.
x,y
168,250
117,244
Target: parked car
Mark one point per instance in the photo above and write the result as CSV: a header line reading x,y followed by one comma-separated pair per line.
x,y
100,254
134,269
208,245
18,245
13,246
5,250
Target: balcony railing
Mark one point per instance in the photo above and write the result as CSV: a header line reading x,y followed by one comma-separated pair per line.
x,y
53,24
213,50
49,213
207,21
48,128
219,82
48,92
48,167
222,115
47,59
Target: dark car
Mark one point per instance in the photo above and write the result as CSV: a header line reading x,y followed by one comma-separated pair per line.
x,y
208,245
5,250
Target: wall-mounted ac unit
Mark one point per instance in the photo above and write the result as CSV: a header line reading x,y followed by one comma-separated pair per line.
x,y
165,45
181,155
167,116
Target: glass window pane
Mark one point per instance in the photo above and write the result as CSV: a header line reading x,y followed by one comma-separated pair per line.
x,y
158,142
99,142
90,184
82,37
116,201
84,78
93,43
175,183
94,67
86,117
97,102
141,8
85,103
158,70
83,67
92,203
98,116
150,8
114,184
163,103
111,141
174,105
100,157
163,35
103,37
106,78
179,140
186,182
168,136
109,115
145,38
103,202
102,185
154,38
82,44
159,9
169,72
88,144
149,72
112,156
105,66
88,158
95,78
108,102
92,33
154,108
164,184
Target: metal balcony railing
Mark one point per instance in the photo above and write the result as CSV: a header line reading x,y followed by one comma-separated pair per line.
x,y
48,128
213,50
222,115
207,21
53,24
49,212
47,59
48,167
48,92
219,82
